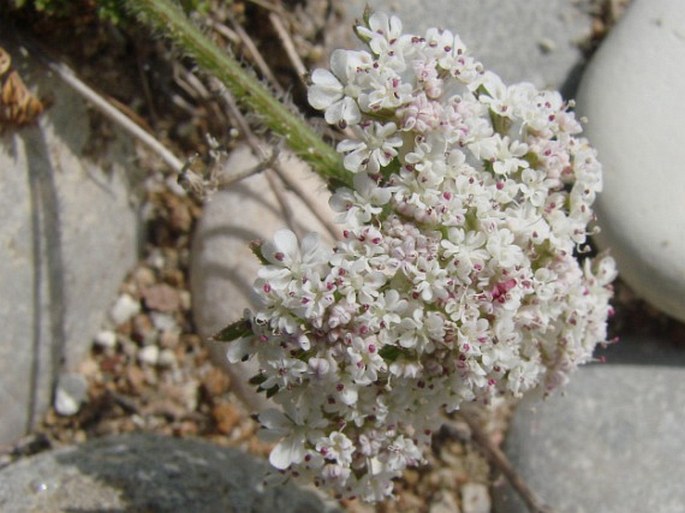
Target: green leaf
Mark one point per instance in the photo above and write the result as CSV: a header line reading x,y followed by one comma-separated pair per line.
x,y
271,392
257,379
501,124
390,353
532,158
391,169
234,331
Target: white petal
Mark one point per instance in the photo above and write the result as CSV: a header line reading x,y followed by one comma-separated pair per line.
x,y
290,450
274,420
350,111
325,90
239,349
353,161
347,145
283,248
339,63
334,113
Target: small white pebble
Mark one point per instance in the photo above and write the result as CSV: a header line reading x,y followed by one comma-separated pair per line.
x,y
167,358
156,259
444,502
186,300
149,355
190,393
125,308
475,498
72,391
163,322
106,339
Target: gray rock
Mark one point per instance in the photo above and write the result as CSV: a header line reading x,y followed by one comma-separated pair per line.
x,y
521,40
144,473
632,95
68,236
611,443
223,267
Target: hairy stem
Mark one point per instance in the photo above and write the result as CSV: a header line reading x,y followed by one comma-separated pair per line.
x,y
168,18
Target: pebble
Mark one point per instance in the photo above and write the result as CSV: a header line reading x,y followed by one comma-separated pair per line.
x,y
124,309
164,321
632,95
475,498
166,358
143,329
149,355
106,339
444,502
226,416
70,394
161,297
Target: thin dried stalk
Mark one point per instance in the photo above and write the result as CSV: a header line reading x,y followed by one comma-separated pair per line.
x,y
105,107
500,461
289,47
257,57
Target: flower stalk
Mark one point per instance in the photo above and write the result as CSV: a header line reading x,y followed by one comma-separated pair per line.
x,y
252,94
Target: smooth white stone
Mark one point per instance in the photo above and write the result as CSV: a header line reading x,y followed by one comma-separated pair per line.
x,y
633,94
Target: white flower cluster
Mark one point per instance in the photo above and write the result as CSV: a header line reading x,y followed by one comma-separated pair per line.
x,y
457,277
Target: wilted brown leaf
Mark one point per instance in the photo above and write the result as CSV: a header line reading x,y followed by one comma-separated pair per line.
x,y
18,106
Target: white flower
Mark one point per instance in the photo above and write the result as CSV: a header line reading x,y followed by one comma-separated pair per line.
x,y
336,92
285,251
373,150
365,362
384,35
292,434
336,447
456,278
402,452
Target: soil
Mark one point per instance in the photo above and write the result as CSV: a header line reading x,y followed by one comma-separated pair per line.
x,y
175,390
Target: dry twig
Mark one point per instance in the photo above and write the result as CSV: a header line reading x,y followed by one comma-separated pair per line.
x,y
68,76
289,47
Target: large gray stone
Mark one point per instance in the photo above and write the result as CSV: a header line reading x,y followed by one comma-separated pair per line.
x,y
632,94
521,40
611,443
146,473
223,267
68,236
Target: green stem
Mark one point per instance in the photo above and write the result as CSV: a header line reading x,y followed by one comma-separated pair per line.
x,y
167,17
